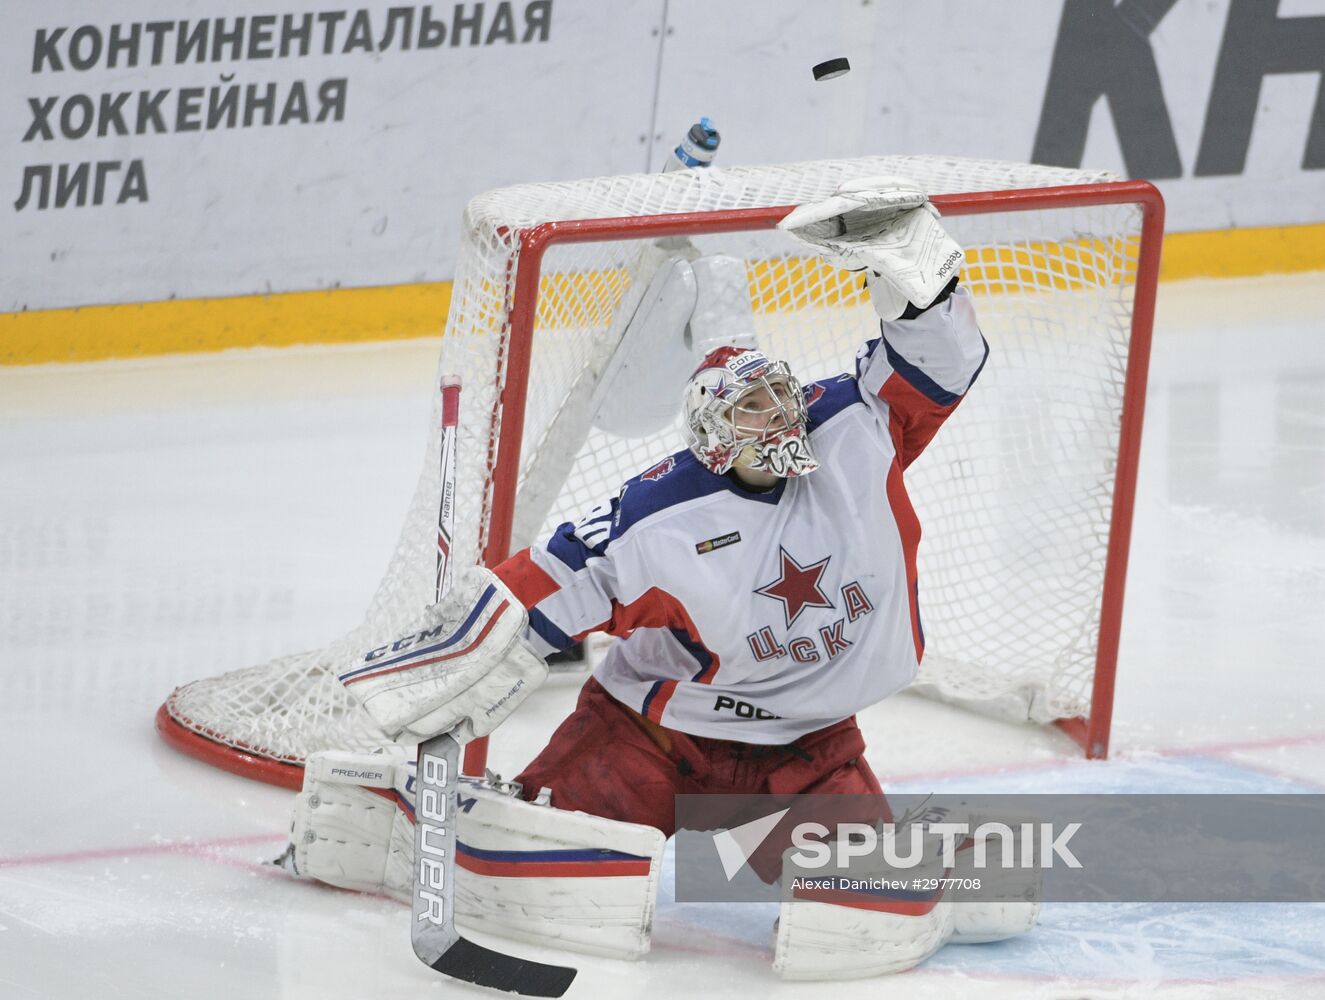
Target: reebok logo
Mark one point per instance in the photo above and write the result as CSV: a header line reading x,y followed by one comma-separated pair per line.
x,y
947,265
737,844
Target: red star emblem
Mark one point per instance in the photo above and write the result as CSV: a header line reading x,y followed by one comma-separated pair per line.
x,y
798,586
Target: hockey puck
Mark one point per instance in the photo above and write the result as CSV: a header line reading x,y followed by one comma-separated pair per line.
x,y
831,69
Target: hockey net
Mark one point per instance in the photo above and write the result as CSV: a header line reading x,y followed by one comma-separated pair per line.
x,y
1025,494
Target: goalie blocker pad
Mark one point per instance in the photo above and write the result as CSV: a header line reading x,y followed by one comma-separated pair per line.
x,y
462,667
523,871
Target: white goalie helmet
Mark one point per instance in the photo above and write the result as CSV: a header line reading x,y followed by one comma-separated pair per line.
x,y
744,410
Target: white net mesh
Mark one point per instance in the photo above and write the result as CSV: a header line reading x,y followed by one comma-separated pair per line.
x,y
1014,494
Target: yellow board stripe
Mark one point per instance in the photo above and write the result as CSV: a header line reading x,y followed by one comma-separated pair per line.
x,y
350,315
335,316
1236,253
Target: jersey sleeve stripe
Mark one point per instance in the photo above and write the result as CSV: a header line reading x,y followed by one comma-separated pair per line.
x,y
568,549
528,581
542,627
915,612
708,663
918,380
655,702
656,608
908,530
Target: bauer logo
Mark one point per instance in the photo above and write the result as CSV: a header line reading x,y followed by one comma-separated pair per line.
x,y
434,841
722,541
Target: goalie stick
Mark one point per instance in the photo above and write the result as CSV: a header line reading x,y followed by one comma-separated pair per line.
x,y
433,933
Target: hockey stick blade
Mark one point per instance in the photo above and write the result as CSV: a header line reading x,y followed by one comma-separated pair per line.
x,y
433,933
484,967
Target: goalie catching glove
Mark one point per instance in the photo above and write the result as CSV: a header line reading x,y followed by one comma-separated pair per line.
x,y
887,226
464,665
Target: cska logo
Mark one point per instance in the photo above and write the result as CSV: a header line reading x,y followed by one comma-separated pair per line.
x,y
659,470
813,393
797,586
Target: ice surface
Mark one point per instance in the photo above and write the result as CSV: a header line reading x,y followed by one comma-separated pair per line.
x,y
164,520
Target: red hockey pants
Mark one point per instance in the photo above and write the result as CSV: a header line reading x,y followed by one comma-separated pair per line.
x,y
608,760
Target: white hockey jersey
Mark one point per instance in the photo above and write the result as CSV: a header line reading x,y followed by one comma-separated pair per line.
x,y
761,617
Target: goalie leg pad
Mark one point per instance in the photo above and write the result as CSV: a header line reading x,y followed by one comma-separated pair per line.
x,y
464,665
818,940
1008,902
978,922
523,871
552,877
846,932
352,823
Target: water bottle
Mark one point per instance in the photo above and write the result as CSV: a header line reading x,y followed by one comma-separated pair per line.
x,y
696,149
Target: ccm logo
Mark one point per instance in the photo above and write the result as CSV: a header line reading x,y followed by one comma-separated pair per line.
x,y
742,709
403,643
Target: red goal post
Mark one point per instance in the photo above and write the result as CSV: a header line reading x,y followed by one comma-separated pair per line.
x,y
520,281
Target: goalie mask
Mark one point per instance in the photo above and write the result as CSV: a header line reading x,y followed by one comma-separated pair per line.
x,y
745,411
